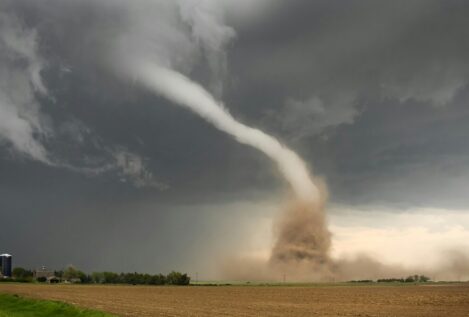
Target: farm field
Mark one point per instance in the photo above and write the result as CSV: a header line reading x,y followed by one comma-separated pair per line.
x,y
328,300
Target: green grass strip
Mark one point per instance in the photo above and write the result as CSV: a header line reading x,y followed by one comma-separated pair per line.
x,y
16,306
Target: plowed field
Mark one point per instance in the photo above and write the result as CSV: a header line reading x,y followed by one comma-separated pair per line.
x,y
376,300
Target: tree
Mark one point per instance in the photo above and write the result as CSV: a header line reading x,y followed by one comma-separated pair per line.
x,y
157,279
22,275
72,273
111,277
19,272
409,279
423,279
97,277
177,278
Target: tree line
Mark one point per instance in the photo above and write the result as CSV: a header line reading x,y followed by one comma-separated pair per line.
x,y
72,274
409,279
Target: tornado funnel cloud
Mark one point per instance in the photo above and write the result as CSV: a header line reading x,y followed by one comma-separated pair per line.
x,y
302,234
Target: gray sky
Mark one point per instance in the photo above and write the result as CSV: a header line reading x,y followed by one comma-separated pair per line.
x,y
98,172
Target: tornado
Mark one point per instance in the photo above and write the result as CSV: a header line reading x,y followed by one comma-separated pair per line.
x,y
301,232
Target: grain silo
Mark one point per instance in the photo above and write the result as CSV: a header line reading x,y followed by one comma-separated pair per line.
x,y
5,263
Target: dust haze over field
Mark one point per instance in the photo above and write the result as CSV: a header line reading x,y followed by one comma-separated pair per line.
x,y
151,55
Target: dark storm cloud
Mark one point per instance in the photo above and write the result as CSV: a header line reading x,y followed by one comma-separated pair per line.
x,y
371,93
404,154
337,52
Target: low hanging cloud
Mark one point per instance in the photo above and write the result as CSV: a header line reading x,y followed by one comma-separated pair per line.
x,y
437,86
26,129
299,118
21,123
133,169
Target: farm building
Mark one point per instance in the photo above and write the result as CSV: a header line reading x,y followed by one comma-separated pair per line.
x,y
43,273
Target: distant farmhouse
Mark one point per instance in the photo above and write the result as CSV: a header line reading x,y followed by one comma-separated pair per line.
x,y
43,272
45,275
5,265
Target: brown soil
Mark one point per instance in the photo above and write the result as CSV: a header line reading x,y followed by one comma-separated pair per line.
x,y
446,300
